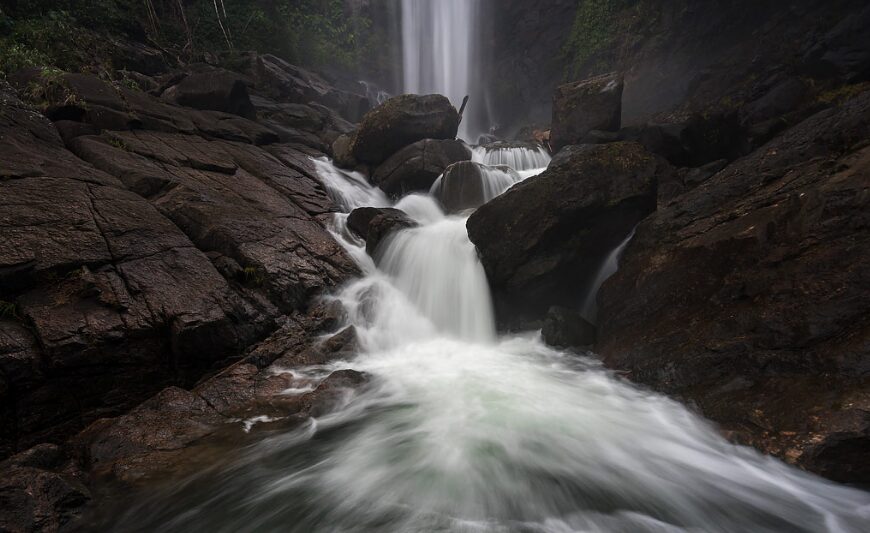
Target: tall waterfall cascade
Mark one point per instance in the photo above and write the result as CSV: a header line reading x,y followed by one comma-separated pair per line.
x,y
459,429
440,51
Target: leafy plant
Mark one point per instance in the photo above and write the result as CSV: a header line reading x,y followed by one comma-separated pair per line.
x,y
253,276
9,310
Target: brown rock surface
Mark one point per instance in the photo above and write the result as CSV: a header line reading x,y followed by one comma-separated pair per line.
x,y
748,296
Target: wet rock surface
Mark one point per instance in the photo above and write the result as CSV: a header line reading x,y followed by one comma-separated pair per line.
x,y
468,185
542,240
583,106
147,243
417,166
374,224
747,296
401,121
566,328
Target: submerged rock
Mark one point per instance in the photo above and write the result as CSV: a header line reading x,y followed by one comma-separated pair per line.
x,y
417,166
543,240
580,107
374,224
468,185
401,121
566,328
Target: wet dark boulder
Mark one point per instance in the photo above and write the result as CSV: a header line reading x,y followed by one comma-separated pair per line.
x,y
542,241
583,106
417,166
468,185
566,328
215,90
342,152
401,121
748,296
374,224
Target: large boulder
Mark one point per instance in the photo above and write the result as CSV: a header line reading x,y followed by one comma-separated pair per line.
x,y
215,90
468,185
543,240
417,166
583,106
374,224
401,121
748,296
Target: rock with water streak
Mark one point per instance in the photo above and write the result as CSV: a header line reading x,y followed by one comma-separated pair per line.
x,y
468,185
542,241
749,296
580,107
374,224
401,121
417,166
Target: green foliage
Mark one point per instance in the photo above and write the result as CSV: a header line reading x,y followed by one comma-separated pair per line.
x,y
9,310
843,93
253,276
600,28
76,34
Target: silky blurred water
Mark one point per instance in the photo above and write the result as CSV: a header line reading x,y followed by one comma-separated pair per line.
x,y
462,430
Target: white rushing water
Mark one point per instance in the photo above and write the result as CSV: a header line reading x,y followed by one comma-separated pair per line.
x,y
589,309
439,50
521,159
461,430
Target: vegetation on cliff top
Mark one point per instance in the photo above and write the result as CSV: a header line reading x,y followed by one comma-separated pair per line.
x,y
72,34
601,30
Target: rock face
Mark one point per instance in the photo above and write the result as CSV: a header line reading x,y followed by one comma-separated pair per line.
x,y
157,437
278,80
748,296
543,239
417,166
374,224
401,121
40,490
172,242
584,106
468,185
216,90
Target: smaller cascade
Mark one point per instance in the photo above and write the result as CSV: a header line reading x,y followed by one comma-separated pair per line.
x,y
374,94
589,311
348,189
523,158
436,267
468,185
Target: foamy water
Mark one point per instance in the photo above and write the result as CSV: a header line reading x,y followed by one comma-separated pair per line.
x,y
462,430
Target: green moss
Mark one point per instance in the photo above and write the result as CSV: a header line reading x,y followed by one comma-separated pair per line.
x,y
9,311
253,276
843,93
119,144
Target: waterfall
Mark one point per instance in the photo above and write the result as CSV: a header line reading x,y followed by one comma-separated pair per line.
x,y
439,47
520,158
461,430
589,310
